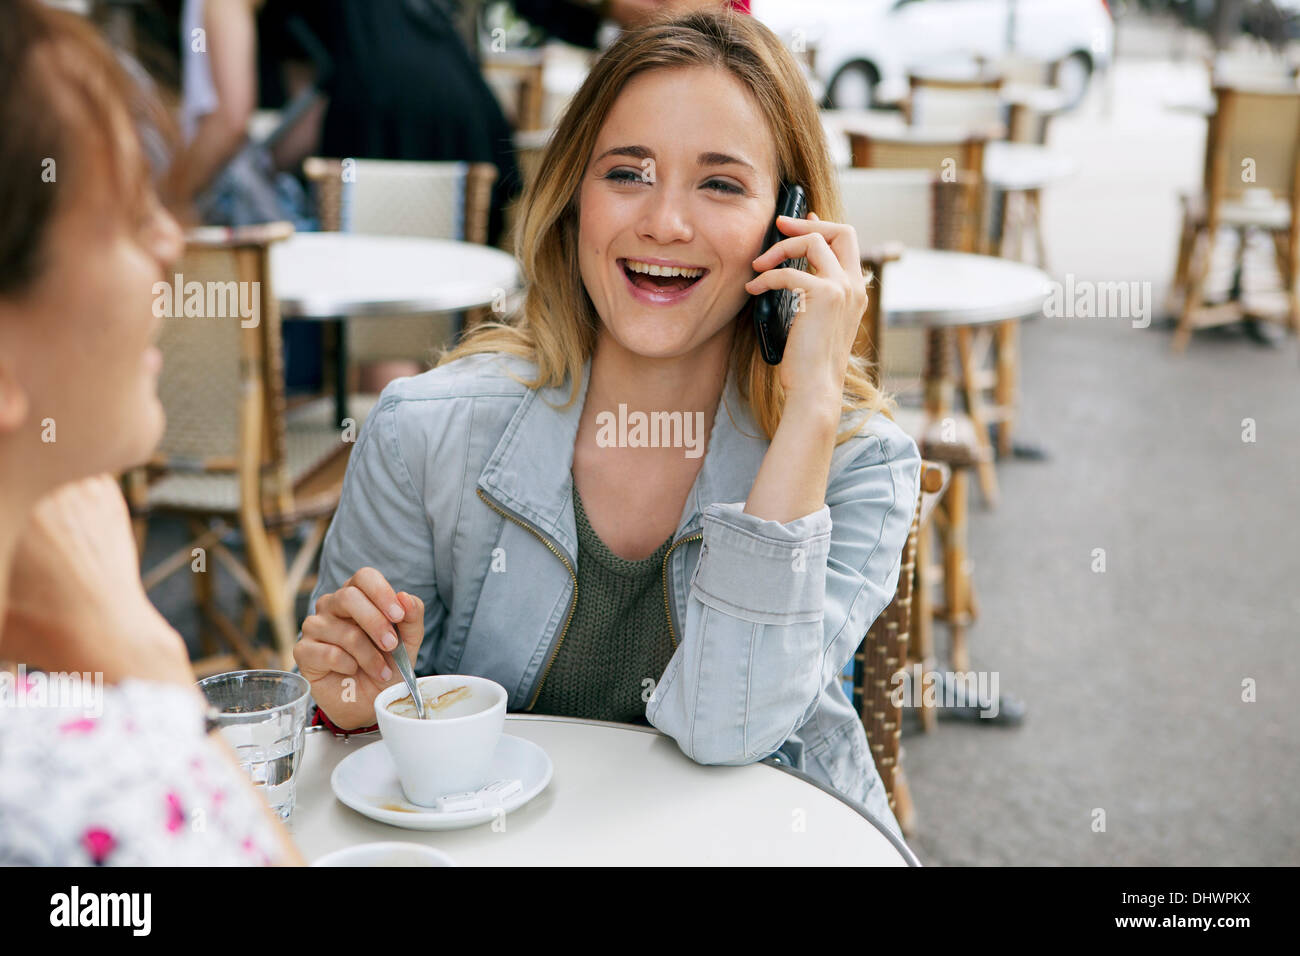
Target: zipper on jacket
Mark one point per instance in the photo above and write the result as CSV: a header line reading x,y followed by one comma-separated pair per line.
x,y
667,607
573,605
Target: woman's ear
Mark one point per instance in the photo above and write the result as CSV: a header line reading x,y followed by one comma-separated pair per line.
x,y
13,398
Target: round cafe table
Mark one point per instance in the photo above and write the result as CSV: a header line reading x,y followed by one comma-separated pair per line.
x,y
949,294
331,276
620,794
939,289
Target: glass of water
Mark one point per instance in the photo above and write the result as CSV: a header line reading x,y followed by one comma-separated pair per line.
x,y
262,715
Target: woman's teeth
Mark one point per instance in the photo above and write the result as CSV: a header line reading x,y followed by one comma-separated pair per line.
x,y
645,268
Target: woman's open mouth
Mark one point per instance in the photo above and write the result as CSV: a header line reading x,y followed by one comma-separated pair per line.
x,y
660,284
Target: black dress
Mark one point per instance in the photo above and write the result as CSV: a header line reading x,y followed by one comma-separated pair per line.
x,y
403,86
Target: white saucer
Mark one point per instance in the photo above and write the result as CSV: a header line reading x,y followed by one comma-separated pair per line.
x,y
367,782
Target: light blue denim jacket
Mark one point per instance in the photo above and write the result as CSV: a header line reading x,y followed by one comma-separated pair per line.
x,y
459,491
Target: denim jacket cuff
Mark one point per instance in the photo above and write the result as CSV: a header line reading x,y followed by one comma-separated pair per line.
x,y
762,571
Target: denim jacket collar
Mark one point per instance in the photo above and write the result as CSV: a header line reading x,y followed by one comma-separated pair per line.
x,y
530,471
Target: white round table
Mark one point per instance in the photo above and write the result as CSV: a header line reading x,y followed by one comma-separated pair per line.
x,y
944,289
1017,166
332,276
325,275
620,795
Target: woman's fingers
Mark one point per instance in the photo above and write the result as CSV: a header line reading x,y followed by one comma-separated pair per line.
x,y
812,245
784,279
376,587
411,628
318,659
351,603
841,237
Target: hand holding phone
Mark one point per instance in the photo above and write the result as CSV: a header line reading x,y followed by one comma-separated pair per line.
x,y
774,310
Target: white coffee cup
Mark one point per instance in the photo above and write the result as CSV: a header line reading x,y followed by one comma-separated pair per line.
x,y
386,854
441,755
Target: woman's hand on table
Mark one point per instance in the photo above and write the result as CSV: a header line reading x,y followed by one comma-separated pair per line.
x,y
76,602
344,648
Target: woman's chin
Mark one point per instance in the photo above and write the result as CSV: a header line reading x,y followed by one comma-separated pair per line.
x,y
659,340
145,434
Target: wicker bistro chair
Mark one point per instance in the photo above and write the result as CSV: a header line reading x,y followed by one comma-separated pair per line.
x,y
517,80
890,646
392,198
973,103
231,457
1252,181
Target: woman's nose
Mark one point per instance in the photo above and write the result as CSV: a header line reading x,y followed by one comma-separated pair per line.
x,y
665,218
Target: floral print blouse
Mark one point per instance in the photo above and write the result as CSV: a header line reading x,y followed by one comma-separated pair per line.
x,y
139,784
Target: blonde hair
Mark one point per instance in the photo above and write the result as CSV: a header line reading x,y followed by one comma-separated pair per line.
x,y
556,328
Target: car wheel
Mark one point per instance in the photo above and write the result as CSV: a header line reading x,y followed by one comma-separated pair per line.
x,y
853,87
1072,76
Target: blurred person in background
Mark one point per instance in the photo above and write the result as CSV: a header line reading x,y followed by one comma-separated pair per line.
x,y
579,21
404,86
130,777
220,176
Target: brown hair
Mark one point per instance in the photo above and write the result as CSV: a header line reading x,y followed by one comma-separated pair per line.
x,y
558,322
67,112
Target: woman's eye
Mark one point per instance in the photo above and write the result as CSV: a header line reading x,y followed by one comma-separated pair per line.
x,y
625,175
722,186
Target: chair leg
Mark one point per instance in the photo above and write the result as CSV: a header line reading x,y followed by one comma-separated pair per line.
x,y
904,808
1199,268
988,477
1286,267
1178,289
956,568
1004,389
266,556
1040,239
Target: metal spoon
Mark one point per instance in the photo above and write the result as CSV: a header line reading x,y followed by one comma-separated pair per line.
x,y
403,662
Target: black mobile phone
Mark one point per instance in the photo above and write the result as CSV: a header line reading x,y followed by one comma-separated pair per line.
x,y
774,310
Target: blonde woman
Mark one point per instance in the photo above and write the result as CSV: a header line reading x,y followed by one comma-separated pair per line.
x,y
611,505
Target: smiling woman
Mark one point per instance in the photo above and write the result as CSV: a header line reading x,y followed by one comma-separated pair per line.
x,y
489,522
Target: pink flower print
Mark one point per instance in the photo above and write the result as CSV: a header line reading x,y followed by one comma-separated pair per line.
x,y
83,726
99,843
175,815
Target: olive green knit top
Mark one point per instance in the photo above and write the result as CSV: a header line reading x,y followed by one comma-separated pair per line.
x,y
618,644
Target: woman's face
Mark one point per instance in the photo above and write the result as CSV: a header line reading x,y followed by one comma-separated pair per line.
x,y
83,337
683,175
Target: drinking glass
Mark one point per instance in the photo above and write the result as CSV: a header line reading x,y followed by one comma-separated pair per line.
x,y
262,715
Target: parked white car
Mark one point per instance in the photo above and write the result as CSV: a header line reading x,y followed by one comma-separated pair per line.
x,y
866,47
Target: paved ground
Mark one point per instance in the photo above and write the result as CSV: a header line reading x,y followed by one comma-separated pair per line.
x,y
1133,676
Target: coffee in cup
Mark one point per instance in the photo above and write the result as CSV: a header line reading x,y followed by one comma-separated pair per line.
x,y
451,752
